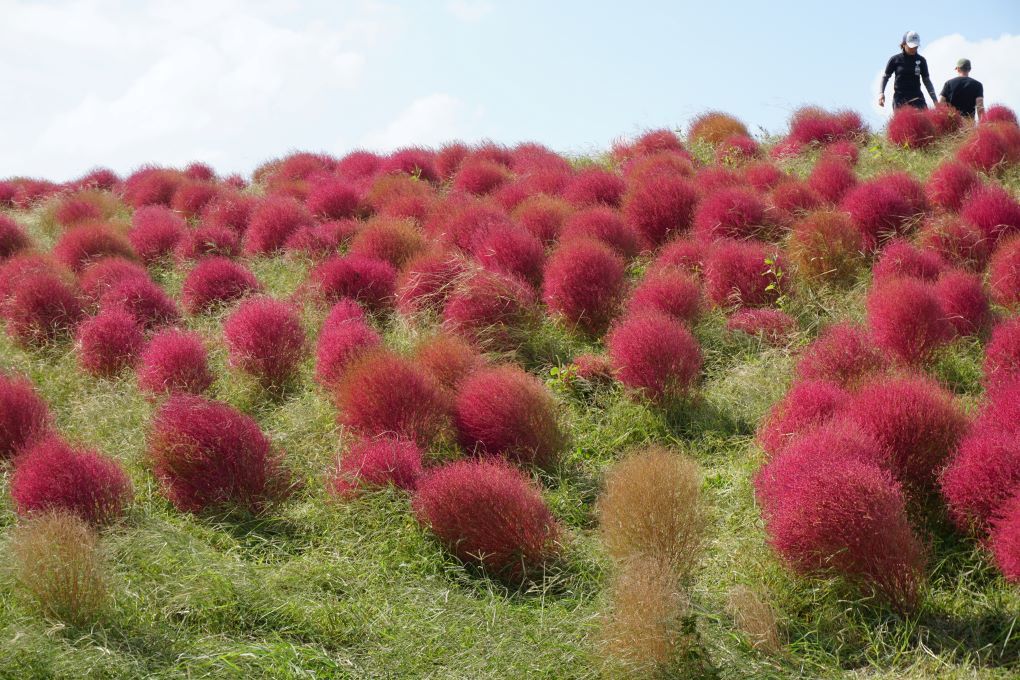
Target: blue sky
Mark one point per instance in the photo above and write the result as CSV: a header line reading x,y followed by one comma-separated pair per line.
x,y
120,83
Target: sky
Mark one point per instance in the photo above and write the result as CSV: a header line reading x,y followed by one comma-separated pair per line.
x,y
234,83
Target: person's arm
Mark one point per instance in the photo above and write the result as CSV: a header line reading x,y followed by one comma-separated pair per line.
x,y
942,95
927,81
979,109
889,68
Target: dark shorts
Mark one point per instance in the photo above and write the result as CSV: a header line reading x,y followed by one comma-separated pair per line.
x,y
915,100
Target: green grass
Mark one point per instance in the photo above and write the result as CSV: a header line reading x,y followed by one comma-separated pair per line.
x,y
319,589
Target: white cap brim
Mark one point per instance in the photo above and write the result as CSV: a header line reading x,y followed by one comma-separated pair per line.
x,y
913,44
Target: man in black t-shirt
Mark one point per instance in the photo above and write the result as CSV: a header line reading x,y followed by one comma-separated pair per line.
x,y
963,93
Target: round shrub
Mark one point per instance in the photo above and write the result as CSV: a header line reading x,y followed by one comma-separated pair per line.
x,y
377,462
412,161
945,118
832,178
808,404
1004,273
684,254
216,280
491,310
990,148
825,245
108,343
12,238
358,165
714,126
449,157
963,301
510,251
332,199
448,358
764,175
150,186
174,361
712,178
993,210
813,125
209,240
737,274
104,274
912,128
52,475
772,326
878,212
324,239
265,339
543,216
730,213
147,303
668,291
480,177
82,245
999,113
1004,540
231,210
736,149
595,186
957,242
192,196
393,240
368,280
489,514
654,354
42,309
602,224
155,232
844,354
900,258
981,477
795,198
273,220
1002,356
950,185
382,393
664,163
340,343
14,270
503,411
462,223
583,284
660,206
427,281
906,320
918,420
24,416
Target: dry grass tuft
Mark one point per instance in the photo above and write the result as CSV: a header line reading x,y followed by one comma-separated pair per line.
x,y
755,618
57,562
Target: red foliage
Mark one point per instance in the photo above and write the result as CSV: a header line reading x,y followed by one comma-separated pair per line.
x,y
413,161
12,238
24,416
324,239
108,343
1004,273
174,361
491,310
945,119
844,354
603,224
663,163
879,212
795,197
209,240
964,301
715,126
808,405
463,222
73,211
730,213
684,254
991,147
999,114
15,269
712,178
141,298
763,175
82,245
912,128
155,232
844,150
104,274
1005,540
957,242
830,512
543,216
340,342
480,177
649,143
918,420
382,393
192,196
654,354
102,179
993,210
503,411
376,463
42,308
333,199
950,184
393,240
1002,356
832,178
52,475
983,474
584,282
273,220
265,339
358,165
449,157
230,210
595,186
736,149
736,273
901,258
668,291
490,514
427,281
448,358
216,280
906,320
812,125
773,326
511,251
200,171
660,206
825,245
366,279
593,367
207,454
150,186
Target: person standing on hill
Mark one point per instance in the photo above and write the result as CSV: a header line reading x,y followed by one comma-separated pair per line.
x,y
963,93
911,70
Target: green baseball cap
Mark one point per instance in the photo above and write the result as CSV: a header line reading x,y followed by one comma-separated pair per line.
x,y
963,64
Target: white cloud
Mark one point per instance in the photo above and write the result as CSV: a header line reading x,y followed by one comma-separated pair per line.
x,y
469,11
994,61
428,121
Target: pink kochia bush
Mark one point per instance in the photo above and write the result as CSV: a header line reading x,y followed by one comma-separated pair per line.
x,y
174,361
272,222
503,411
595,186
993,210
383,393
879,212
345,336
655,355
902,258
584,282
1004,273
832,178
963,301
368,280
155,232
668,291
1005,540
489,514
808,404
216,280
42,309
265,338
377,463
730,213
906,320
12,237
844,354
660,207
24,416
104,274
109,342
1002,357
147,303
950,184
833,512
53,475
773,326
207,454
912,128
982,476
490,310
737,274
602,224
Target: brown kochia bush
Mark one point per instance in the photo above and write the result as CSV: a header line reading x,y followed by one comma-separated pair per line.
x,y
57,562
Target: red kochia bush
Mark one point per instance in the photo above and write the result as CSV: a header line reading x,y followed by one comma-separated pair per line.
x,y
491,310
686,255
155,232
991,147
737,274
376,463
1002,356
216,279
773,326
174,361
595,186
912,128
109,342
825,245
382,393
207,454
813,125
42,308
957,242
265,338
393,240
1005,540
209,240
143,299
489,514
878,211
602,224
906,320
427,281
448,358
795,198
412,161
358,164
150,186
668,291
982,476
1004,273
916,419
12,237
963,301
832,178
368,280
324,239
830,512
660,206
583,283
52,475
736,149
950,184
844,354
478,176
730,213
192,196
503,411
24,416
339,344
902,258
808,404
511,251
654,354
332,199
993,210
763,175
272,222
230,210
543,216
82,245
999,114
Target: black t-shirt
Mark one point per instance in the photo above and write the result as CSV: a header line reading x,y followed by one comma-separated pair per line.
x,y
909,70
963,92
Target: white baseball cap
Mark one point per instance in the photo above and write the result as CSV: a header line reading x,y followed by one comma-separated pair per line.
x,y
912,39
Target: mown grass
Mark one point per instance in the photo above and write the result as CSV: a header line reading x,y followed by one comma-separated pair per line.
x,y
318,589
